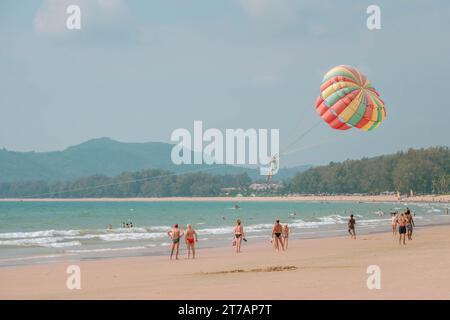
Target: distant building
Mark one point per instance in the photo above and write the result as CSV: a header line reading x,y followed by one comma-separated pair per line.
x,y
264,186
228,191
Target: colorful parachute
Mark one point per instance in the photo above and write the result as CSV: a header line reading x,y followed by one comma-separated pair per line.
x,y
347,99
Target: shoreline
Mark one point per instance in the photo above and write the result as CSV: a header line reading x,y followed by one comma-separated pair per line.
x,y
299,198
304,271
216,245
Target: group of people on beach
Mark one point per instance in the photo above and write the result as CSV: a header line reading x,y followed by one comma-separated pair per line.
x,y
280,233
127,225
405,223
280,236
190,238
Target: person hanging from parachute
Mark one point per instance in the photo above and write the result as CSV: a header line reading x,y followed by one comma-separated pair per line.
x,y
273,167
347,100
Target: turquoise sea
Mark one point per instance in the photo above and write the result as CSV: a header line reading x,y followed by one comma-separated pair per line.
x,y
36,232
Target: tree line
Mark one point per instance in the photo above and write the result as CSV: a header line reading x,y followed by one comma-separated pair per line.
x,y
145,183
423,171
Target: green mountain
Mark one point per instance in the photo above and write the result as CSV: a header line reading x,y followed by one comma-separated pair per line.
x,y
97,156
106,157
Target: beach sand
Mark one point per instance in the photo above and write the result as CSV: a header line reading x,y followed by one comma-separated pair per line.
x,y
327,268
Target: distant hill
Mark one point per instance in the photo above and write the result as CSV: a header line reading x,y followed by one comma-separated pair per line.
x,y
422,171
108,157
107,168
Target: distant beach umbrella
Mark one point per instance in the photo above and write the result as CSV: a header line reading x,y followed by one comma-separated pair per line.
x,y
347,99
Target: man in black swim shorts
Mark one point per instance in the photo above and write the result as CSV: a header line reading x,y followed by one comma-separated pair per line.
x,y
402,228
276,235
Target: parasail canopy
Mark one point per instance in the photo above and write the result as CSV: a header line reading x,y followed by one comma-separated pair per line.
x,y
347,99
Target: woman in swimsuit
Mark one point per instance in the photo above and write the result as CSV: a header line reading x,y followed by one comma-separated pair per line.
x,y
276,235
191,239
238,234
175,235
286,236
394,221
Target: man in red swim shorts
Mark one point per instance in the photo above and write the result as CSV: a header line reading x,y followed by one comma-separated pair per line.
x,y
191,239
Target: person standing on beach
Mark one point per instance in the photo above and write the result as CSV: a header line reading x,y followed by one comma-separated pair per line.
x,y
238,235
409,224
351,227
277,231
175,235
286,235
394,221
402,228
191,238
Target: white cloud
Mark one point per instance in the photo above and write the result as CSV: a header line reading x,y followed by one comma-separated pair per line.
x,y
262,7
50,19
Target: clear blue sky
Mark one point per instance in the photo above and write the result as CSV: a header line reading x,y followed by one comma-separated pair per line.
x,y
137,70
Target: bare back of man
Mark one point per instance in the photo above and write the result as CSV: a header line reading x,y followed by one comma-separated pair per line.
x,y
409,225
175,235
402,228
